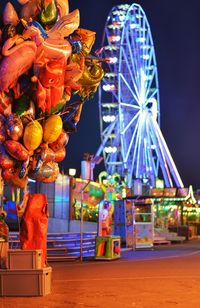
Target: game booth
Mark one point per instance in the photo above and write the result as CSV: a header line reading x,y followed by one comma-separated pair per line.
x,y
89,197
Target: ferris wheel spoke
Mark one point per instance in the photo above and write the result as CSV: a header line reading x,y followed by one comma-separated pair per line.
x,y
135,57
131,142
108,130
151,95
139,165
168,156
130,106
136,148
154,170
132,75
130,123
133,60
128,87
160,153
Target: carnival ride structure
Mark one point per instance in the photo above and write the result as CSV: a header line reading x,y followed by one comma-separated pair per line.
x,y
129,107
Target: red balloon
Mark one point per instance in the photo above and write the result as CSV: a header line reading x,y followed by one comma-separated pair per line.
x,y
46,154
16,150
6,161
11,177
60,155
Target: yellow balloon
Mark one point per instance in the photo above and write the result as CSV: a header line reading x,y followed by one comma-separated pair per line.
x,y
52,128
32,135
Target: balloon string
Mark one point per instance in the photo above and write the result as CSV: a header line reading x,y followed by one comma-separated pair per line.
x,y
60,113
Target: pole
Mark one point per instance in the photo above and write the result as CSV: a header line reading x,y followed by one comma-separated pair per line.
x,y
81,221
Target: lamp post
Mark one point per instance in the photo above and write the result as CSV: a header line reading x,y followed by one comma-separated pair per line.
x,y
72,173
92,161
81,220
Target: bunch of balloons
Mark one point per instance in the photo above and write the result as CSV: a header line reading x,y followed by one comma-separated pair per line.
x,y
45,61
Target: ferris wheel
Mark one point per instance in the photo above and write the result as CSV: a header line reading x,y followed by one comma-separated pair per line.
x,y
129,108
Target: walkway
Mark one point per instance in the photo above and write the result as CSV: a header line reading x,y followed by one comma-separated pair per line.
x,y
168,276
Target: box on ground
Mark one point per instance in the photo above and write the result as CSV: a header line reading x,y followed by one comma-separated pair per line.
x,y
24,259
107,247
33,282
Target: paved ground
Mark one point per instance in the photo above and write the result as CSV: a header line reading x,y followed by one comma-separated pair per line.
x,y
168,276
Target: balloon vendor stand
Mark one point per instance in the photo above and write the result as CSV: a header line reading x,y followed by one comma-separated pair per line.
x,y
107,246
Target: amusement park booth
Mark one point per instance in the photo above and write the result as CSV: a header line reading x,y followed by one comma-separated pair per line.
x,y
176,213
134,222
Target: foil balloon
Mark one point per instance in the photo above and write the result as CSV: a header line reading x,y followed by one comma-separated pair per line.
x,y
52,128
18,58
11,177
9,15
32,135
50,88
91,78
63,7
42,154
2,120
22,2
49,12
47,173
60,155
6,161
61,141
2,134
55,172
5,103
14,127
29,9
87,39
16,150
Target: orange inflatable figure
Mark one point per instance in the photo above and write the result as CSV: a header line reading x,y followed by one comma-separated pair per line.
x,y
34,224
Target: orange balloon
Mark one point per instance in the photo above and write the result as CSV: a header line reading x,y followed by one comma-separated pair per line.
x,y
61,141
60,154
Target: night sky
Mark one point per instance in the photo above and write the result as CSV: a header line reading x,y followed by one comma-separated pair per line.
x,y
175,27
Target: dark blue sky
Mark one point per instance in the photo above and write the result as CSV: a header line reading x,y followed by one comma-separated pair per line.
x,y
175,27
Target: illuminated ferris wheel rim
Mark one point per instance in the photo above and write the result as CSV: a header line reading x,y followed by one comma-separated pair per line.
x,y
129,99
